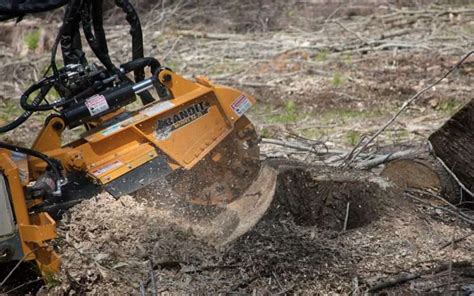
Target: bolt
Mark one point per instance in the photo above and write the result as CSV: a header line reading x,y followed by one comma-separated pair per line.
x,y
167,78
58,126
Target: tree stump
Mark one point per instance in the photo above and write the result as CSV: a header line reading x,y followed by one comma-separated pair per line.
x,y
453,143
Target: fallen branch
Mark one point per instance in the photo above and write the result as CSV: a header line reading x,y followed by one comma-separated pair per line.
x,y
213,36
453,212
452,174
395,281
16,267
405,277
23,285
346,219
378,160
457,240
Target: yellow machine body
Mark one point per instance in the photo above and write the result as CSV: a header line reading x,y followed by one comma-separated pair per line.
x,y
162,136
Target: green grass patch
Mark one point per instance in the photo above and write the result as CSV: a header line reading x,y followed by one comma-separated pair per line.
x,y
337,79
266,133
32,39
347,58
322,55
449,107
313,133
9,109
172,64
353,137
288,115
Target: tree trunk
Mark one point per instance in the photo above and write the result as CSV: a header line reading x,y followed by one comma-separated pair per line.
x,y
454,144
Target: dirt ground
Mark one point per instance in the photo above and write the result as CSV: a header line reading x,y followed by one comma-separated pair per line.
x,y
325,78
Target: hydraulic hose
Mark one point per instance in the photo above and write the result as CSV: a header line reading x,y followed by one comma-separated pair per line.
x,y
137,43
53,164
25,115
136,33
71,45
91,39
54,50
140,64
17,8
98,23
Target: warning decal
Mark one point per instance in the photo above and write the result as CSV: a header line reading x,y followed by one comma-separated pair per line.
x,y
97,104
241,105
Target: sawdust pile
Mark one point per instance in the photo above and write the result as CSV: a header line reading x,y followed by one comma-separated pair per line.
x,y
112,246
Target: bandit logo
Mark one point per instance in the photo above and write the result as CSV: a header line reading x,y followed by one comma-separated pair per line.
x,y
167,125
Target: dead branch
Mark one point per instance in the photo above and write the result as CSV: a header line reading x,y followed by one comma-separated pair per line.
x,y
347,216
381,159
456,240
450,211
400,279
16,267
212,36
9,292
453,175
298,145
405,277
152,277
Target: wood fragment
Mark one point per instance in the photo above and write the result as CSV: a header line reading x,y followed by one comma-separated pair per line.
x,y
347,216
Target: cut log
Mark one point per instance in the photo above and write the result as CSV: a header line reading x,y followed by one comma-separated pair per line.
x,y
412,173
423,173
453,143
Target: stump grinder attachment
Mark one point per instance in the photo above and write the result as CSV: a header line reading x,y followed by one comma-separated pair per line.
x,y
189,147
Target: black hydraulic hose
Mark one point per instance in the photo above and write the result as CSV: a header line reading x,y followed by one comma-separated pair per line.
x,y
91,39
98,23
137,43
71,45
136,33
54,164
67,15
25,115
44,86
17,8
9,17
142,63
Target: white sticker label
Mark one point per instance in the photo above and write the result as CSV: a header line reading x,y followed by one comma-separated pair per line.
x,y
241,105
108,167
97,104
158,108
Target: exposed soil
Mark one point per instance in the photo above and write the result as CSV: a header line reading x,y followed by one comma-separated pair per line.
x,y
323,202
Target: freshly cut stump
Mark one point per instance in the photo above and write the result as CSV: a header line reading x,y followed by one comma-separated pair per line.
x,y
408,173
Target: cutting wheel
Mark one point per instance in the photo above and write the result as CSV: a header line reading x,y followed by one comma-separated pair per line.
x,y
225,174
224,195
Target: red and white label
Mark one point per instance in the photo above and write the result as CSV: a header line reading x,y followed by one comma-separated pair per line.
x,y
241,105
97,104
